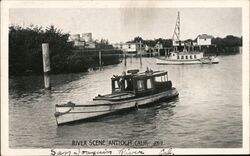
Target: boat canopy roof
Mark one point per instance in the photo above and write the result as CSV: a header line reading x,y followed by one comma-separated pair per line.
x,y
146,74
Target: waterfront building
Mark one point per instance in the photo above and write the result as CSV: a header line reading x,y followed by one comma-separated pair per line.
x,y
204,40
126,47
81,42
177,43
87,37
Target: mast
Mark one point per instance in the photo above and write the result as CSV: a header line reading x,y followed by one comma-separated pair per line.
x,y
176,35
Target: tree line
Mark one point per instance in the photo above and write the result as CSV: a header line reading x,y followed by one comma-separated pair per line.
x,y
228,41
25,51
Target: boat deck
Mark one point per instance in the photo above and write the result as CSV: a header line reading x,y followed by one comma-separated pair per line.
x,y
116,96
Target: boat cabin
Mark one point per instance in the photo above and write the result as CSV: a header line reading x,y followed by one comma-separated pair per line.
x,y
147,82
185,55
135,85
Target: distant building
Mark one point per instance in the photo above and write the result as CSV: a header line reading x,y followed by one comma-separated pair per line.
x,y
158,45
81,42
177,43
74,37
87,37
126,47
204,39
90,45
78,43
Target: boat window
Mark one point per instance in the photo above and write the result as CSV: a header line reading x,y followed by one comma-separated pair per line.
x,y
195,56
186,57
178,57
160,78
116,84
182,57
140,85
191,57
149,84
173,54
125,84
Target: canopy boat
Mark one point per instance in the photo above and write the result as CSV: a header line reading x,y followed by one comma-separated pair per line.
x,y
131,90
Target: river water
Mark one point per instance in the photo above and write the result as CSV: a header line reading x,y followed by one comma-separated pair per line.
x,y
207,113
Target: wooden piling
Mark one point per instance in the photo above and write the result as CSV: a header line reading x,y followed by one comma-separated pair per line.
x,y
140,59
46,65
125,59
100,58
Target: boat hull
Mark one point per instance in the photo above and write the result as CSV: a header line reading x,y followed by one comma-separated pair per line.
x,y
161,61
81,112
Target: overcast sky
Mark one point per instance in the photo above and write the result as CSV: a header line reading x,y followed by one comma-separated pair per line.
x,y
123,24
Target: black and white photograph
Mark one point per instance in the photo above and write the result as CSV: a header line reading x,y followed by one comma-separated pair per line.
x,y
124,77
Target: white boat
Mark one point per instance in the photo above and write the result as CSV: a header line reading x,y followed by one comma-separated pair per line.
x,y
129,91
184,57
181,56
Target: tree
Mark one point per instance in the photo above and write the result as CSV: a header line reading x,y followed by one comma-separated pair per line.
x,y
228,41
25,50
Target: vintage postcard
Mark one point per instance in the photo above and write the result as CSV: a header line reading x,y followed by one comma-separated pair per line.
x,y
124,77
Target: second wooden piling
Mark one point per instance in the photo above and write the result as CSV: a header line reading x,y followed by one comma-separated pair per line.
x,y
100,58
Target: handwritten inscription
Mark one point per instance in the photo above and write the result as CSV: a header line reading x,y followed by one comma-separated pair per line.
x,y
78,152
166,151
127,151
94,152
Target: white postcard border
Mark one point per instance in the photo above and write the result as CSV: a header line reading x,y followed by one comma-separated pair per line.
x,y
6,5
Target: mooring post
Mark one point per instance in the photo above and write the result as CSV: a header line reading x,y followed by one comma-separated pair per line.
x,y
140,59
46,65
100,58
140,50
125,59
165,52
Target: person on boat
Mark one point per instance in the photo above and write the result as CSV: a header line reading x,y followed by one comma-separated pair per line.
x,y
122,83
129,85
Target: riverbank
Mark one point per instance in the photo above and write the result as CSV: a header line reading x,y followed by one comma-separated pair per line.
x,y
25,52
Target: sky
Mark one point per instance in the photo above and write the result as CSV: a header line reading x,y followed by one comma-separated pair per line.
x,y
123,24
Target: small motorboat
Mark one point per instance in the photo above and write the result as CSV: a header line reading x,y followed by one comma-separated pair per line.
x,y
129,90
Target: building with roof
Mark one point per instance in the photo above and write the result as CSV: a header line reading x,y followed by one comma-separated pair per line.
x,y
126,47
204,40
81,42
